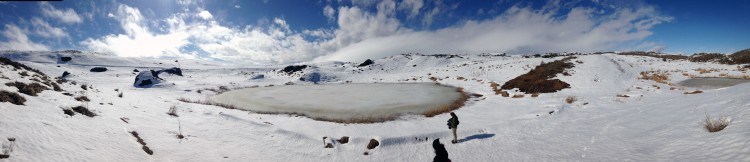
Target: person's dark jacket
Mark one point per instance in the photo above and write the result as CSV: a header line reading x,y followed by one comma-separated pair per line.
x,y
441,155
453,122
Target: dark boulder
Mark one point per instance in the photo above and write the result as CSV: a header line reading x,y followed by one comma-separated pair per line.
x,y
174,70
145,79
135,70
293,68
98,69
65,58
65,73
373,143
367,62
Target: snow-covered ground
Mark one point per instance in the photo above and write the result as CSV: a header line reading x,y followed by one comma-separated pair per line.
x,y
658,122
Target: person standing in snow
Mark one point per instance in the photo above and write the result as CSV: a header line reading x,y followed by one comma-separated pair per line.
x,y
453,125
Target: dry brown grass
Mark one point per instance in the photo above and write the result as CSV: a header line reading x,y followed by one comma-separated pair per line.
x,y
143,144
172,111
458,103
29,89
694,92
622,95
657,76
12,97
715,125
540,79
571,99
83,111
518,96
535,95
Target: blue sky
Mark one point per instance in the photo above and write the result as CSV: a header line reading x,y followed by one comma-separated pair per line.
x,y
289,31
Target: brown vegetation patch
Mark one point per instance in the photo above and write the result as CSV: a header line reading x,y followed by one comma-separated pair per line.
x,y
539,80
458,103
571,99
12,97
622,95
694,92
535,95
83,111
657,76
517,96
143,144
741,57
29,89
710,57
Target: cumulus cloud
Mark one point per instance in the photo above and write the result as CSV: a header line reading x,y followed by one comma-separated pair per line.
x,y
412,6
519,29
18,40
68,16
330,13
45,30
138,40
205,15
363,33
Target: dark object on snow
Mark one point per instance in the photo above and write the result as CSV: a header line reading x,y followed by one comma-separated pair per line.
x,y
373,143
135,70
83,111
65,58
293,68
367,62
29,89
344,140
98,69
65,73
453,121
174,70
329,145
12,97
68,112
261,76
145,82
441,155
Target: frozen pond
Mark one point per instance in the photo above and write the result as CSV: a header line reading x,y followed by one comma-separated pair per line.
x,y
355,103
711,82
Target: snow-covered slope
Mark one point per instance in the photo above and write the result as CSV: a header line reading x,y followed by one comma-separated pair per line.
x,y
653,124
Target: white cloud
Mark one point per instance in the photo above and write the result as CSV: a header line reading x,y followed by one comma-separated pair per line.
x,y
370,34
138,41
68,16
330,13
236,6
45,30
516,30
413,6
205,15
18,40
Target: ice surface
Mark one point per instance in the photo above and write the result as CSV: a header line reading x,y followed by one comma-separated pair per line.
x,y
342,101
712,82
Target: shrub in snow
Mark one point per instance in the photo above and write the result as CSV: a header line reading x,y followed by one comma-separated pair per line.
x,y
715,125
173,111
83,111
98,69
174,70
29,89
343,140
12,97
571,99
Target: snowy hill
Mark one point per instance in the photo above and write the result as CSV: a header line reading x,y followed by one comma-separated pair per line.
x,y
655,122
